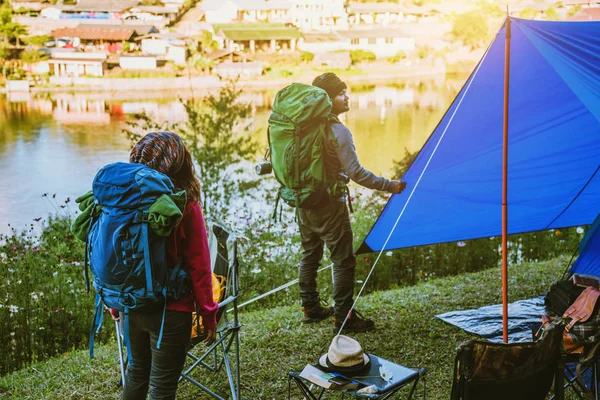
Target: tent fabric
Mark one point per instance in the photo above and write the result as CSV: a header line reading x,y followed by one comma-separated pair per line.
x,y
588,262
554,145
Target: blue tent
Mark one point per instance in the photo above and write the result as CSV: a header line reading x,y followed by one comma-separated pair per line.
x,y
454,186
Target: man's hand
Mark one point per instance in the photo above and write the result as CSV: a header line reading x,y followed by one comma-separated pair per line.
x,y
398,187
211,335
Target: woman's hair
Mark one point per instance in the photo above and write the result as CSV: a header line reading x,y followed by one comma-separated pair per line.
x,y
166,153
186,178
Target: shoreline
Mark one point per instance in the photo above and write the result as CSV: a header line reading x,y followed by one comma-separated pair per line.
x,y
208,83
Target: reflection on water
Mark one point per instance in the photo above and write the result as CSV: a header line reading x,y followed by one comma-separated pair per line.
x,y
55,143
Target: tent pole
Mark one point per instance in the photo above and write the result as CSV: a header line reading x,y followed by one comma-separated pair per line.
x,y
505,188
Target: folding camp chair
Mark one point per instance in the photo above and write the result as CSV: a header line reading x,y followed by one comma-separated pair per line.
x,y
517,371
225,350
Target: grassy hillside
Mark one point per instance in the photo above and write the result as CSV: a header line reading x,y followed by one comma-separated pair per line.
x,y
275,341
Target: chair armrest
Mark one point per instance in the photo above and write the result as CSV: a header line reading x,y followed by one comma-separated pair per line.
x,y
228,300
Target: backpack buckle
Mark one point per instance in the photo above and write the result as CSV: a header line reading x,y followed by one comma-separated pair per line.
x,y
127,301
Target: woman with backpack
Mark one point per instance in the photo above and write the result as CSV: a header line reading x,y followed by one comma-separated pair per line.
x,y
157,368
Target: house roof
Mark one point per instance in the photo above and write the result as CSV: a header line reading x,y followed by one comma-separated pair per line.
x,y
155,9
58,60
211,5
139,29
263,4
99,5
587,14
409,8
221,53
108,34
257,31
583,2
321,37
368,8
372,33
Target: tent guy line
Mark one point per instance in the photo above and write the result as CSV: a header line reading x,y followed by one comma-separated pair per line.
x,y
411,194
574,198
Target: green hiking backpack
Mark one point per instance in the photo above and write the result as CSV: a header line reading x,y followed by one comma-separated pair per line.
x,y
298,139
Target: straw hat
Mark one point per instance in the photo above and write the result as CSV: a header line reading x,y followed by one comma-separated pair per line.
x,y
345,355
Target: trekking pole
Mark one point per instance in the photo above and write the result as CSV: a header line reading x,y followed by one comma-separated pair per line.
x,y
120,344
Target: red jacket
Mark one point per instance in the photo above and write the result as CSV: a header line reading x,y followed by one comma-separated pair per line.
x,y
190,241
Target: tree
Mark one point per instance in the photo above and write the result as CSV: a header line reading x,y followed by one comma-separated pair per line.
x,y
206,43
471,28
528,13
551,14
37,41
216,133
202,63
33,56
9,29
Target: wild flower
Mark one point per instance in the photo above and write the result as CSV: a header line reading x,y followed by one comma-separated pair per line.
x,y
13,309
579,230
461,244
388,253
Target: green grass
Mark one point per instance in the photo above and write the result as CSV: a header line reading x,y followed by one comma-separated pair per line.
x,y
275,340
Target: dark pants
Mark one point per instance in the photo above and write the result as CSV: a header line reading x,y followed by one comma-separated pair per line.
x,y
157,368
329,225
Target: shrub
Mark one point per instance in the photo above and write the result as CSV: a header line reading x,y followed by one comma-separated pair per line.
x,y
306,56
358,56
398,57
44,307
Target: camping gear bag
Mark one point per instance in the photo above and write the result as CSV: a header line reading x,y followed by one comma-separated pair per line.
x,y
298,135
126,257
561,295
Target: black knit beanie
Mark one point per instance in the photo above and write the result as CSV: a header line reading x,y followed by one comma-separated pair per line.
x,y
330,83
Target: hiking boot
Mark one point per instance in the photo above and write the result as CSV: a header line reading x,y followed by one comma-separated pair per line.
x,y
355,323
316,313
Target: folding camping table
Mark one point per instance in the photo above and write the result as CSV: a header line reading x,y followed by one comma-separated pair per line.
x,y
401,377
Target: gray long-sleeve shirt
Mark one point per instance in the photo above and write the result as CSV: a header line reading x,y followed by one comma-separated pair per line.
x,y
349,160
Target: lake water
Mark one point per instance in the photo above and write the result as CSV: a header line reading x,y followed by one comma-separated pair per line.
x,y
54,143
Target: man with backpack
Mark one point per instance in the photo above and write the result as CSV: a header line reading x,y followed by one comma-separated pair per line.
x,y
330,224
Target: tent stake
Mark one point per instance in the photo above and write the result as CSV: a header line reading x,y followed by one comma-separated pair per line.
x,y
505,188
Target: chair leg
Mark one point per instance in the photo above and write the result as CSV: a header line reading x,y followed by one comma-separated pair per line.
x,y
594,383
559,380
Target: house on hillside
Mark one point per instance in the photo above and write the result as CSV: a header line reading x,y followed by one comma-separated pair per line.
x,y
218,11
271,11
77,64
168,13
319,15
269,38
140,30
324,42
374,13
106,38
414,13
307,15
383,42
94,9
170,45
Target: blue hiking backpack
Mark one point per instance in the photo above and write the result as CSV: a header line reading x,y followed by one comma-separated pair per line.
x,y
126,257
